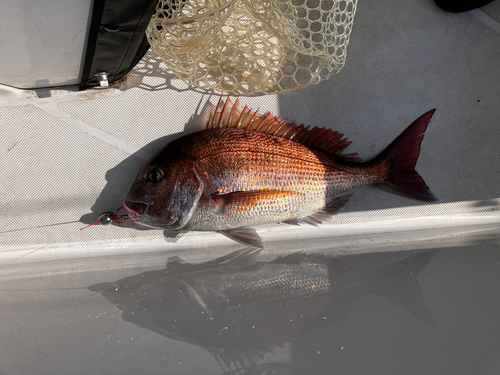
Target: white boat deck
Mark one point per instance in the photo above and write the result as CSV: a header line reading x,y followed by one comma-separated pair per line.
x,y
68,156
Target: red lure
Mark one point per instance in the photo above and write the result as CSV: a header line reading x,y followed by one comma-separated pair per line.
x,y
108,217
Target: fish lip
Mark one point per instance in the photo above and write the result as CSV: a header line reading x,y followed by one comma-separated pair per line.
x,y
137,206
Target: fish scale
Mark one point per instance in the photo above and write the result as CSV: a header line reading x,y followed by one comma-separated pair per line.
x,y
244,161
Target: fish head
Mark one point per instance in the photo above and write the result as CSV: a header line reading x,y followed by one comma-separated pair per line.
x,y
166,191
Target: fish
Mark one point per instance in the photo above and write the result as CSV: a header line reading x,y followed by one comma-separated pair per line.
x,y
241,308
247,169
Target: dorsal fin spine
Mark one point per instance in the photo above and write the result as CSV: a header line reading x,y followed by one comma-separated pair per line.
x,y
307,137
216,111
325,141
219,125
268,124
209,126
247,120
329,139
262,121
231,113
310,137
254,116
280,125
300,130
292,135
319,135
274,130
241,117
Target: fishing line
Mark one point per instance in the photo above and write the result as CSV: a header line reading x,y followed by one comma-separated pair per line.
x,y
39,226
104,219
39,290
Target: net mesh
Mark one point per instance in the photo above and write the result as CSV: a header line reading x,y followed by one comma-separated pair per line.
x,y
252,47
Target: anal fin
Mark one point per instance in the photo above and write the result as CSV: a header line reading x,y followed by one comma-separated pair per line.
x,y
330,210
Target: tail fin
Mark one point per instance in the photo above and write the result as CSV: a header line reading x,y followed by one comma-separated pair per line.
x,y
401,156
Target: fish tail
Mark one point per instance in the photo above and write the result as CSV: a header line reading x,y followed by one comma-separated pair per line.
x,y
402,287
401,157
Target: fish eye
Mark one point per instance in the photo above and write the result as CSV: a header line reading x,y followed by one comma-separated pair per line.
x,y
155,174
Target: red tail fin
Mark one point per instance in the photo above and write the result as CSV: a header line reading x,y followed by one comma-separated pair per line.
x,y
401,156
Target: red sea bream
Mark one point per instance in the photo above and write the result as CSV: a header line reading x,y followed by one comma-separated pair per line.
x,y
248,169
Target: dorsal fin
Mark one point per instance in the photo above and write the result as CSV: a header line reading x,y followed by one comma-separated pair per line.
x,y
232,115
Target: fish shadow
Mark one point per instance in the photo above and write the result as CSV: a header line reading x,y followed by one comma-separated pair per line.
x,y
246,325
119,179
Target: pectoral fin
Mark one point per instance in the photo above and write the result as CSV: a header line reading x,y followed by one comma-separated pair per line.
x,y
247,200
243,235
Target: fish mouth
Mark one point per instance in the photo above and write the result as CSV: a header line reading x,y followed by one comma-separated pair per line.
x,y
135,208
138,211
